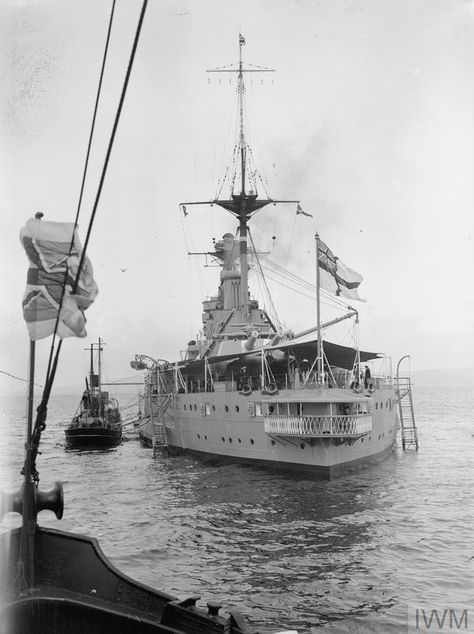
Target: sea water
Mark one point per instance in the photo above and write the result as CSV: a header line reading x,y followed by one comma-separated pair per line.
x,y
362,553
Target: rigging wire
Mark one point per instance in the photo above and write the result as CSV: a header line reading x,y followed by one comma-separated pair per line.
x,y
84,175
18,378
255,173
275,314
231,166
193,280
111,141
327,298
40,423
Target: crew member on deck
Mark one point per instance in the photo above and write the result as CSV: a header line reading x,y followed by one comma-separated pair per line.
x,y
242,380
355,377
367,376
85,400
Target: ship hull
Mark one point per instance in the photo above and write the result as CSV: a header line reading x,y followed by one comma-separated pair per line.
x,y
90,437
210,432
313,470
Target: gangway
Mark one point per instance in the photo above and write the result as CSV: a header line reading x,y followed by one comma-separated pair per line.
x,y
158,404
408,430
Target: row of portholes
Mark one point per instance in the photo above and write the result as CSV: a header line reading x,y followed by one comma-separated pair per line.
x,y
302,446
213,407
252,441
237,409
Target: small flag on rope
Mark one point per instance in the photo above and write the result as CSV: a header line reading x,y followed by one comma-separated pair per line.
x,y
336,277
241,40
185,213
299,212
54,263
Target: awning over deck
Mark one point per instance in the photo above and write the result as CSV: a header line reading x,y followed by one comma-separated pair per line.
x,y
300,349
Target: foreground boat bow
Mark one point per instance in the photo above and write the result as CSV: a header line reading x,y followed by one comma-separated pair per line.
x,y
68,585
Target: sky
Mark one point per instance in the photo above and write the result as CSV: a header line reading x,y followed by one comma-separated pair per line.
x,y
368,120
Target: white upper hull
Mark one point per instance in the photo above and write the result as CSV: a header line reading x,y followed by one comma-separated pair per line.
x,y
219,424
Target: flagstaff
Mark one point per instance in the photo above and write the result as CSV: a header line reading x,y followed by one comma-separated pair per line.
x,y
319,365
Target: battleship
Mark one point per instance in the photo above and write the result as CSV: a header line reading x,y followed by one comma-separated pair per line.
x,y
248,391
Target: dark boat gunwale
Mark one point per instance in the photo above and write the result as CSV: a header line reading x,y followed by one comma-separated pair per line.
x,y
74,580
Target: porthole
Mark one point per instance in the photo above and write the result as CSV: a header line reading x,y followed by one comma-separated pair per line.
x,y
223,439
199,435
205,437
376,405
381,405
302,445
252,442
230,440
240,440
237,408
213,408
362,440
195,407
184,407
273,442
226,408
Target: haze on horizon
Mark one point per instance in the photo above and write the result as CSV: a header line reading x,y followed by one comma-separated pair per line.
x,y
368,120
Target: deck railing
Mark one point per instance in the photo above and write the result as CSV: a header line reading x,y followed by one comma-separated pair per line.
x,y
318,426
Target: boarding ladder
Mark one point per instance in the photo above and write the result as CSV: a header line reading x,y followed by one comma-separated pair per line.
x,y
408,430
159,403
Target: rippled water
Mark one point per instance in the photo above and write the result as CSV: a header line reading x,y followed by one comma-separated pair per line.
x,y
343,556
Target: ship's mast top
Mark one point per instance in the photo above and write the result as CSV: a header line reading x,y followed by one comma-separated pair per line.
x,y
242,205
241,89
241,145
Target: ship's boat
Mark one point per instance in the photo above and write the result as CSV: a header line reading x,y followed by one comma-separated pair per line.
x,y
97,423
248,390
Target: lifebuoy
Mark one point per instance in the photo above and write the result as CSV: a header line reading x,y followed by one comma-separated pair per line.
x,y
271,389
371,387
246,390
356,388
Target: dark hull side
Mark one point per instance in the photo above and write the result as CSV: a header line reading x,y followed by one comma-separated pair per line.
x,y
93,437
76,590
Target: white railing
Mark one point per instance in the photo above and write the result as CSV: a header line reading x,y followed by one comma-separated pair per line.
x,y
315,426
